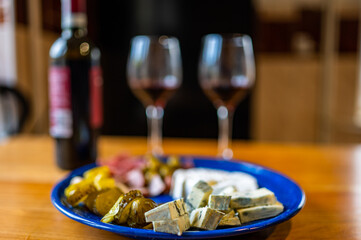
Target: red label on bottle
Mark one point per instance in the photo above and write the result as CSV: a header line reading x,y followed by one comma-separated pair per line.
x,y
60,102
78,6
73,6
96,97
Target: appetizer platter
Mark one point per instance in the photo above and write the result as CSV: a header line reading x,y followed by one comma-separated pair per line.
x,y
178,198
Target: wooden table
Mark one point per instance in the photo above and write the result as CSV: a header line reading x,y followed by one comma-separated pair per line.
x,y
330,176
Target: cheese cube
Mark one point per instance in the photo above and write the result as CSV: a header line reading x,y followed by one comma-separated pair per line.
x,y
258,197
205,218
169,210
260,212
189,208
229,213
230,219
175,226
199,195
219,202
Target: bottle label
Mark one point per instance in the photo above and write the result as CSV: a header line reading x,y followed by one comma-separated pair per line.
x,y
60,102
96,96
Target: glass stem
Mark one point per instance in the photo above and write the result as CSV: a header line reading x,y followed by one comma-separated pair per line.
x,y
155,120
225,118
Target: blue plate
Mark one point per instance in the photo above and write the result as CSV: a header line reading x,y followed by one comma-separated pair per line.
x,y
285,189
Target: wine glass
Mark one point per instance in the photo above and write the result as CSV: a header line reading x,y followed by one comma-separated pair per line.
x,y
154,73
226,73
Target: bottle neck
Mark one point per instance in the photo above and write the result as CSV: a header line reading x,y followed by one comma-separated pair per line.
x,y
76,32
74,24
73,14
73,20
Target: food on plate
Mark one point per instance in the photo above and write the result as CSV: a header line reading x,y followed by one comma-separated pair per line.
x,y
258,197
248,206
213,198
125,205
93,181
230,219
129,210
183,181
198,197
90,200
173,226
146,173
260,203
219,202
110,216
104,201
139,207
169,210
171,217
206,218
259,212
97,190
208,211
78,192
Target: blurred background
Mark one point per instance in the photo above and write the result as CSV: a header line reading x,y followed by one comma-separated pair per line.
x,y
307,64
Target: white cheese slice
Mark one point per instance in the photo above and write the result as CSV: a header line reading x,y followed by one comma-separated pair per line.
x,y
199,195
174,226
228,190
241,181
169,210
258,197
260,212
177,185
183,180
205,218
219,202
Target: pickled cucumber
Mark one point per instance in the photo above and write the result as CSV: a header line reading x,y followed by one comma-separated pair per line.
x,y
103,171
90,200
78,192
105,201
125,205
110,216
121,208
102,183
139,207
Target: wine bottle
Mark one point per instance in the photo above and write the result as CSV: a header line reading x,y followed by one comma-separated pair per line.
x,y
75,90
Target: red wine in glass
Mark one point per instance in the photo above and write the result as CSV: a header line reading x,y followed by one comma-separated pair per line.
x,y
154,73
226,73
228,96
154,95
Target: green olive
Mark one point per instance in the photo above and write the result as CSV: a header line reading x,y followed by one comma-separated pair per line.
x,y
153,163
165,170
173,162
